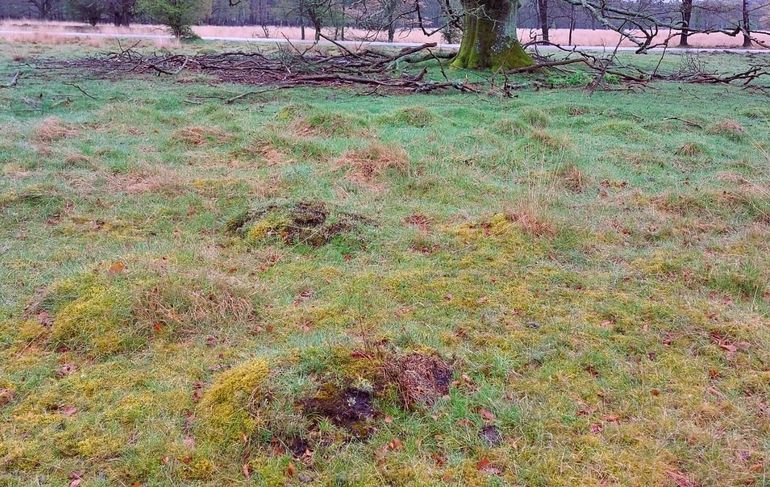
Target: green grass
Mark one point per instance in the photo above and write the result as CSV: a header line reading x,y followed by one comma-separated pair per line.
x,y
594,270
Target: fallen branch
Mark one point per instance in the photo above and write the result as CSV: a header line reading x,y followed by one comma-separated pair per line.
x,y
14,80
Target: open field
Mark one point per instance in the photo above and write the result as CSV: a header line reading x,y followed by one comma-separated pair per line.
x,y
46,32
320,287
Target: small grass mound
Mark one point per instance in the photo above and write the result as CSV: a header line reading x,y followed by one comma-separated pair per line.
x,y
52,129
323,124
306,222
535,117
224,410
691,149
572,178
421,379
728,128
366,166
98,320
199,136
419,117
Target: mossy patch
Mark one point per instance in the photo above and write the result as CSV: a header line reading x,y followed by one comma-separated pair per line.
x,y
224,412
98,320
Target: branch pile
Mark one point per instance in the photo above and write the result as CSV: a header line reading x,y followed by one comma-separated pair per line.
x,y
285,69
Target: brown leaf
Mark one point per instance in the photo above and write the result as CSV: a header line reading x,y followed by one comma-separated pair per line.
x,y
597,428
395,444
486,414
68,410
116,268
246,469
291,469
486,466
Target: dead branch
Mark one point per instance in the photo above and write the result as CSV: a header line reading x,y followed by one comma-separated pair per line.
x,y
14,80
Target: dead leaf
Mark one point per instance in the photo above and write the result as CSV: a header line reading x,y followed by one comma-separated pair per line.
x,y
486,466
68,410
486,414
291,469
116,268
246,469
395,444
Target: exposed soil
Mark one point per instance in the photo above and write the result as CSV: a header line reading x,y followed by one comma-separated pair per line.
x,y
304,222
349,408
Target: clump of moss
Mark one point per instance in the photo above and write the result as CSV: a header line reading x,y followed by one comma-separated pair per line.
x,y
98,320
224,407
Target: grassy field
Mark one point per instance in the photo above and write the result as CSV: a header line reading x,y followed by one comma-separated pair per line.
x,y
318,287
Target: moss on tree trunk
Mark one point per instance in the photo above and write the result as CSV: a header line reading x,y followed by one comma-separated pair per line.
x,y
489,36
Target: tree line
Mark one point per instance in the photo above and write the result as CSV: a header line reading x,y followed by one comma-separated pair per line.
x,y
389,16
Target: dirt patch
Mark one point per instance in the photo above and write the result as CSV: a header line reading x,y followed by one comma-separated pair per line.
x,y
421,379
199,136
52,129
304,222
367,166
349,408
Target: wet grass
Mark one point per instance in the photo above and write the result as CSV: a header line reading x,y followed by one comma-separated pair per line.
x,y
591,270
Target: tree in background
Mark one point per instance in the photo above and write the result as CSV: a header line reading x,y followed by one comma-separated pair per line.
x,y
122,12
90,11
45,8
686,18
542,10
489,36
177,15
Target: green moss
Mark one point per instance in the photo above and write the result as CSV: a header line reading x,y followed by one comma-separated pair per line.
x,y
223,411
99,320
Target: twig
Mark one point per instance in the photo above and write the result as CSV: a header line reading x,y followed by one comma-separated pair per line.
x,y
81,90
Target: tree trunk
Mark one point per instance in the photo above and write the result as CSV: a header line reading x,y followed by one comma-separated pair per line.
x,y
542,11
686,17
746,24
571,24
489,36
